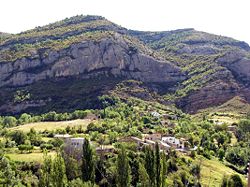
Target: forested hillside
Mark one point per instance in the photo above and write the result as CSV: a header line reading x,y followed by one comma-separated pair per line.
x,y
86,102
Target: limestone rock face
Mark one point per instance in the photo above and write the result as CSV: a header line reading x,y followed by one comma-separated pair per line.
x,y
238,64
213,94
83,57
88,58
198,50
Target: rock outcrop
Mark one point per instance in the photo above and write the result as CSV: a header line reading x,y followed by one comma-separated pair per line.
x,y
87,59
217,68
213,94
83,57
238,64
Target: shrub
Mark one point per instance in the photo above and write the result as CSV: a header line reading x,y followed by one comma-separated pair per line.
x,y
24,147
56,142
193,154
19,137
234,181
24,118
9,121
46,146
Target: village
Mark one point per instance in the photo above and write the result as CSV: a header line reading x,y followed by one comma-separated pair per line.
x,y
165,142
72,144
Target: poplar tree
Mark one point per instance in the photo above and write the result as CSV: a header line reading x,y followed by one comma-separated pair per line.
x,y
58,172
157,165
150,164
143,176
123,169
88,163
45,171
163,169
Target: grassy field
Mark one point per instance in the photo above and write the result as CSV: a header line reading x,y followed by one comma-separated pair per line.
x,y
28,157
212,172
41,126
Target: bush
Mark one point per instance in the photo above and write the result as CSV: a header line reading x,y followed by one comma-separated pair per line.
x,y
24,147
46,146
235,181
238,155
207,154
9,121
196,170
24,118
79,114
193,154
51,116
221,154
171,165
19,137
56,142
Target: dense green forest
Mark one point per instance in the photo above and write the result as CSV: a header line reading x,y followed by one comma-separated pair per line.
x,y
124,163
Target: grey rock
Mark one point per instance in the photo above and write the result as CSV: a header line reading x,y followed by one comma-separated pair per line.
x,y
86,57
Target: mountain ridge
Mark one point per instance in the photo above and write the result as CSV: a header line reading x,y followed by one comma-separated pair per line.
x,y
189,68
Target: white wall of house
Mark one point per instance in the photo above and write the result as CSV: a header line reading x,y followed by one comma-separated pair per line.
x,y
173,141
75,143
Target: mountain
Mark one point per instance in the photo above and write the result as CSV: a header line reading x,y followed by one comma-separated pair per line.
x,y
66,65
217,67
4,35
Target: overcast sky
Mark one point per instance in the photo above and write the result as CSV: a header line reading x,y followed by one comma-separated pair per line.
x,y
223,17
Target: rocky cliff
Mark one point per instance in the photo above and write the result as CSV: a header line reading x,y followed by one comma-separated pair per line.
x,y
110,55
27,61
217,67
67,64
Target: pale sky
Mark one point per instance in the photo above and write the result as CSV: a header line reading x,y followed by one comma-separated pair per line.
x,y
223,17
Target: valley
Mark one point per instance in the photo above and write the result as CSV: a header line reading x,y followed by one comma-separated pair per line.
x,y
86,102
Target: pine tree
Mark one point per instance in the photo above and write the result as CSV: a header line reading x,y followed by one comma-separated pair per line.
x,y
88,163
58,172
157,165
123,169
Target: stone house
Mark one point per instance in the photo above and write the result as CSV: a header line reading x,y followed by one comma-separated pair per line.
x,y
174,142
72,146
153,137
75,143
